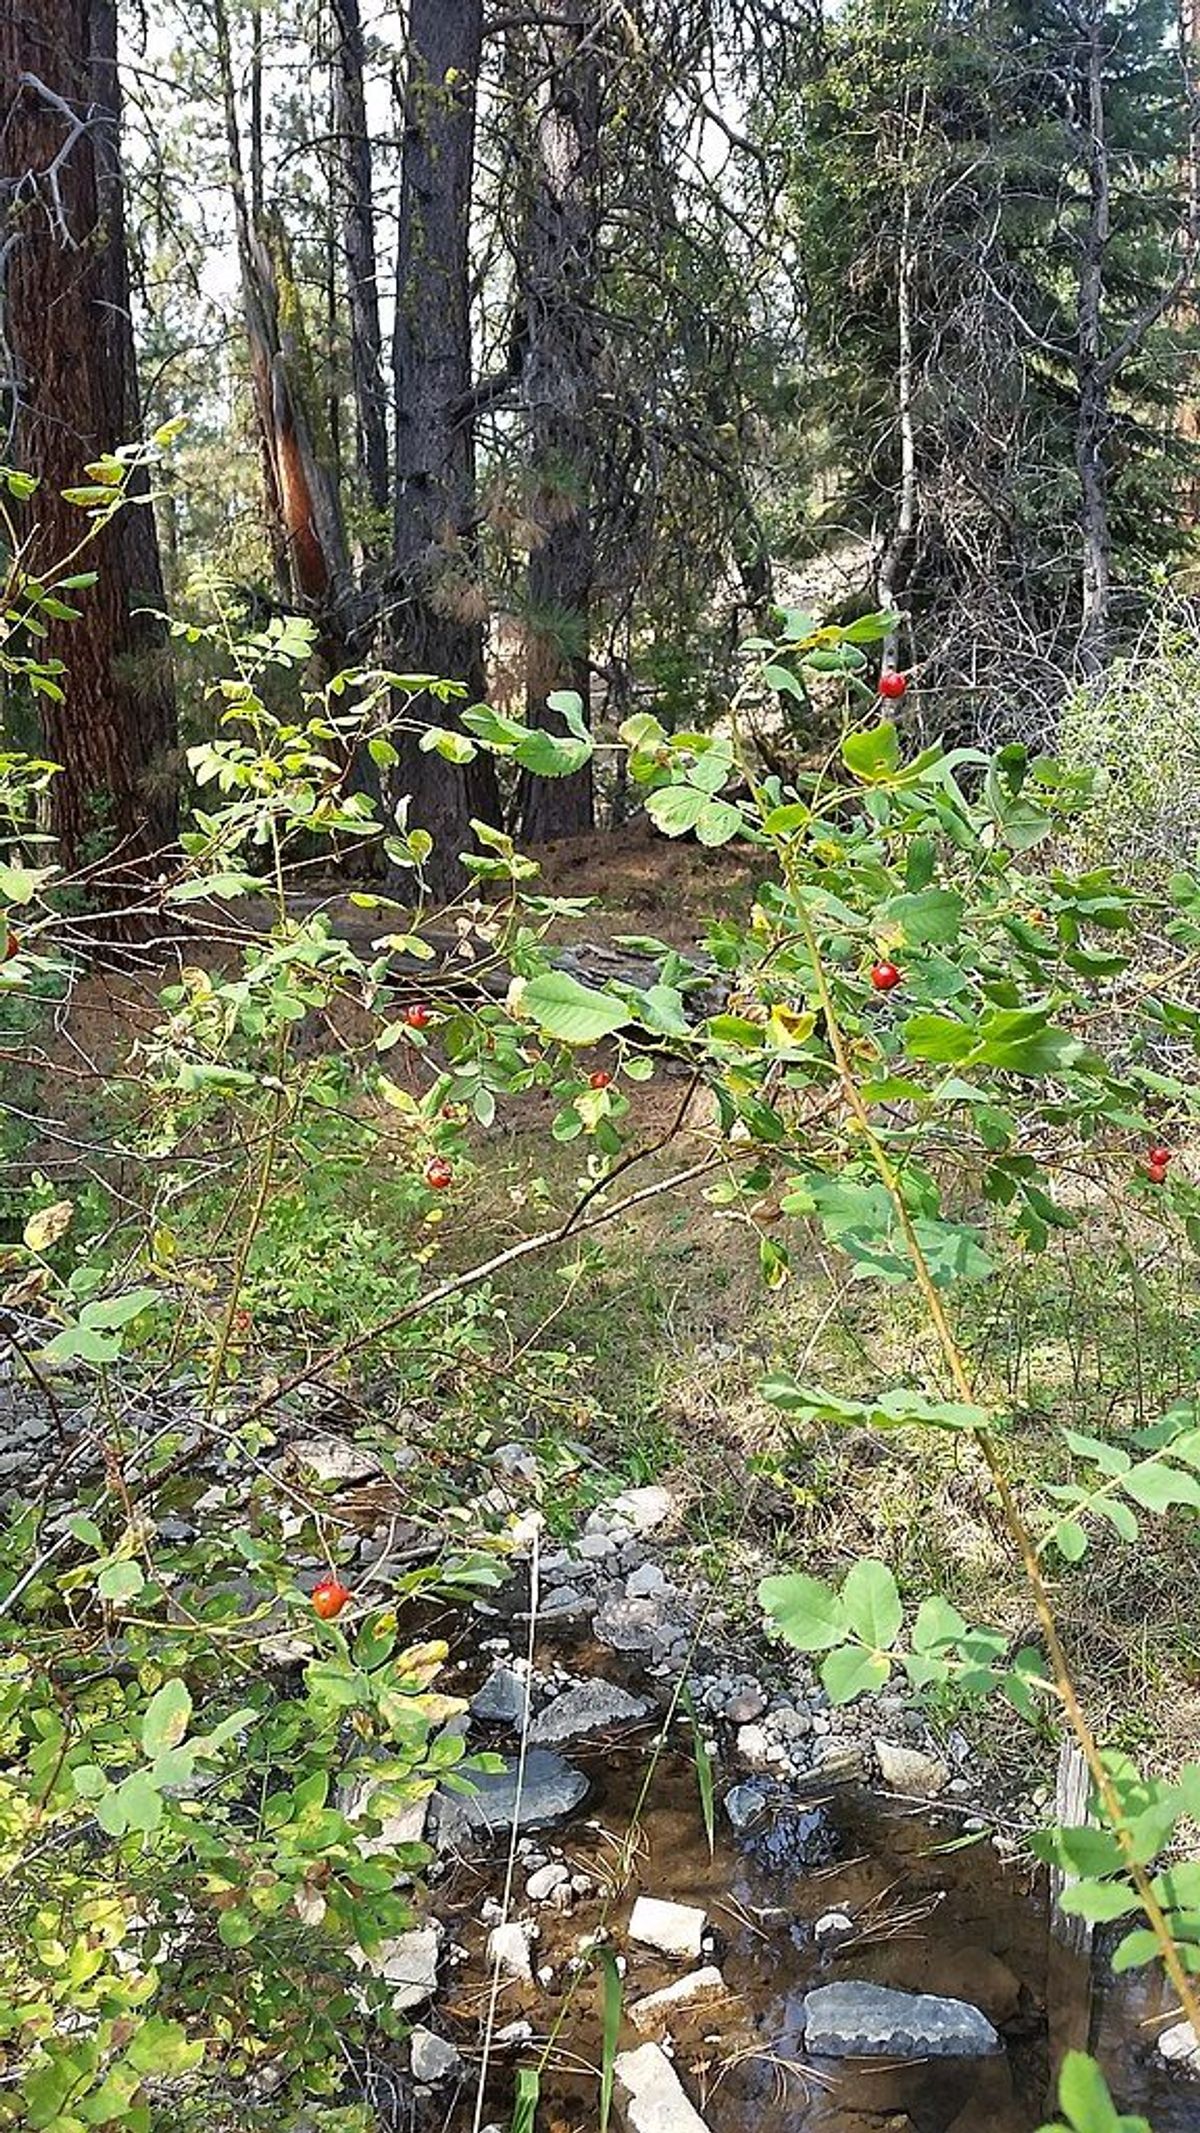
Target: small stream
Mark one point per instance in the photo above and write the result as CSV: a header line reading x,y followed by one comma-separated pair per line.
x,y
931,1913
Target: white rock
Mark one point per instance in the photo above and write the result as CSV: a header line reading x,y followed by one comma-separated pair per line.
x,y
1181,2047
508,1949
433,2058
758,1750
512,2035
541,1886
910,1770
672,1928
653,2013
643,1509
650,2096
410,1964
833,1926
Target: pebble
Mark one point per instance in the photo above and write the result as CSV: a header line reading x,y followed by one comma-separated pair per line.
x,y
650,2095
910,1770
646,1582
508,1950
542,1885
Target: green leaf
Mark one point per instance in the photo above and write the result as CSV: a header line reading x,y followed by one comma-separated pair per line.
x,y
110,1313
1156,1486
572,1012
874,754
1098,1901
166,1717
933,915
807,1612
872,1604
120,1581
852,1672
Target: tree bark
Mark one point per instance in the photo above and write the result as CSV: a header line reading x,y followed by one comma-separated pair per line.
x,y
71,378
560,384
358,238
304,507
440,606
1091,421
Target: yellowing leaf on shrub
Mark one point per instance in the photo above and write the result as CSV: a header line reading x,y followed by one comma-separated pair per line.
x,y
786,1027
48,1225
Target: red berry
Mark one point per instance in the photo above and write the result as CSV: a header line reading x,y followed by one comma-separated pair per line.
x,y
893,685
418,1016
438,1173
1156,1172
329,1596
599,1080
1159,1156
884,976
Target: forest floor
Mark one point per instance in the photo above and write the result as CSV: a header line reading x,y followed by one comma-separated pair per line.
x,y
634,1353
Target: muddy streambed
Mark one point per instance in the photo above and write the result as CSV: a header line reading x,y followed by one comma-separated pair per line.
x,y
929,1912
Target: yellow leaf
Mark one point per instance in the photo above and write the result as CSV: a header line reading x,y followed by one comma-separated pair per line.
x,y
48,1225
788,1028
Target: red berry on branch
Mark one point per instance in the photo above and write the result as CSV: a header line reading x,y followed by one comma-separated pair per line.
x,y
418,1016
893,685
329,1596
884,976
438,1173
1156,1172
599,1080
1160,1156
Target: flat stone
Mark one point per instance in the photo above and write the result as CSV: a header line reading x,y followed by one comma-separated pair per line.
x,y
587,1708
409,1963
552,1790
335,1459
650,2097
910,1770
501,1701
515,1459
672,1928
654,2014
630,1625
565,1600
853,2020
643,1510
433,2058
647,1581
1180,2046
745,1803
508,1949
595,1547
541,1885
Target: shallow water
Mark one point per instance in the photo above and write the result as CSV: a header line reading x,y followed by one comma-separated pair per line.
x,y
932,1915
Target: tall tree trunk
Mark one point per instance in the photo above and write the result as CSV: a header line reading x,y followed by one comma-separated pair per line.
x,y
560,384
304,507
358,239
1092,370
72,380
440,606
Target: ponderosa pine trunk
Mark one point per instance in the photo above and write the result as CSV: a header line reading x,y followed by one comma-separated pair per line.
x,y
559,376
68,352
358,239
440,608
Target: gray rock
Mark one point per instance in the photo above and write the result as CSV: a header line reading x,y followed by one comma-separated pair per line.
x,y
501,1701
1180,2046
515,1459
630,1625
564,1600
910,1770
646,1582
760,1749
433,2058
745,1704
334,1459
587,1708
552,1790
853,2020
595,1547
650,2096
